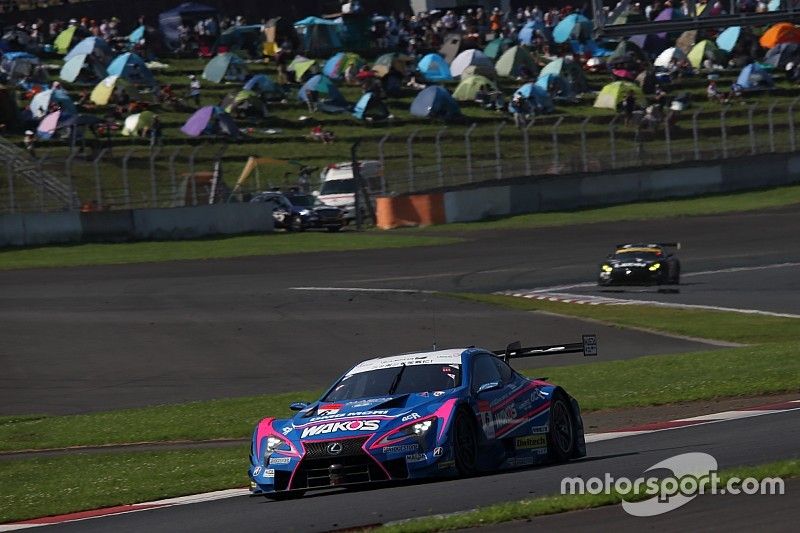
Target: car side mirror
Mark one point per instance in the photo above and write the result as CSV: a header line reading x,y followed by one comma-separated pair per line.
x,y
493,385
315,193
298,406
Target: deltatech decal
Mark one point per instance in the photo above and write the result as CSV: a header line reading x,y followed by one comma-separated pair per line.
x,y
334,427
534,441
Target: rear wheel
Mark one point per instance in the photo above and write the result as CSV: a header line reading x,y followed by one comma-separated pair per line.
x,y
296,224
561,437
465,444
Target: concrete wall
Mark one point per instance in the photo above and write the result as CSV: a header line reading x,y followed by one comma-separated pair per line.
x,y
28,229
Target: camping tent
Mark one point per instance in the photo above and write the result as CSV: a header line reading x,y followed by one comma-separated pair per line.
x,y
687,40
134,124
318,35
40,103
92,46
557,87
450,47
474,58
780,33
573,26
265,87
516,62
537,98
17,66
210,120
227,66
247,37
435,102
727,39
703,50
527,35
71,69
337,65
496,47
783,54
470,85
434,68
131,67
326,93
570,71
188,12
651,43
668,56
137,35
302,67
244,102
754,77
612,94
110,86
47,126
64,40
370,107
391,61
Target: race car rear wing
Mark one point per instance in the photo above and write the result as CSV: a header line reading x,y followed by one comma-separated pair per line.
x,y
676,245
587,346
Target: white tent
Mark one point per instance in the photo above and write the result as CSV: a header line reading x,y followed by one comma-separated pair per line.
x,y
469,58
665,57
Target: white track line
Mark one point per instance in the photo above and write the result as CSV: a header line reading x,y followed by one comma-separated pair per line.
x,y
361,289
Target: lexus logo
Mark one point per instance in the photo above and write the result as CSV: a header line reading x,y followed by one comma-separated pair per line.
x,y
335,448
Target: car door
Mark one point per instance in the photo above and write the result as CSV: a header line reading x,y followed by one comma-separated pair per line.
x,y
487,388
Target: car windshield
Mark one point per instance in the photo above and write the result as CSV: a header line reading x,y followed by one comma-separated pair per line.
x,y
383,381
338,187
302,200
640,256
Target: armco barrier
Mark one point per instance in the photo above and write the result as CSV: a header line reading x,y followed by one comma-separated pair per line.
x,y
410,210
141,224
565,192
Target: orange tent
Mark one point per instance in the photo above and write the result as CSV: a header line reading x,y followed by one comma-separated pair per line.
x,y
780,33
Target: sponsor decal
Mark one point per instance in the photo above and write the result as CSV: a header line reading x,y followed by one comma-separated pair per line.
x,y
269,472
335,427
538,429
438,393
416,458
446,464
531,442
412,416
329,409
487,422
286,430
367,403
355,414
402,448
256,471
438,452
279,460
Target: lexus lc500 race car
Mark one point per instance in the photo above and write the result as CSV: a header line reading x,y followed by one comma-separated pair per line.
x,y
420,415
641,264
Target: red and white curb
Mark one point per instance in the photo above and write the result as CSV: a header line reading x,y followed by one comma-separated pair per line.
x,y
792,405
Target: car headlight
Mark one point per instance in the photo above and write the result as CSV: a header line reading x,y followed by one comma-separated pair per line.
x,y
273,443
606,268
654,267
304,212
417,429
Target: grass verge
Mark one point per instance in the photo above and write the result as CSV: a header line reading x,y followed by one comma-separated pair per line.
x,y
33,488
525,509
247,245
707,205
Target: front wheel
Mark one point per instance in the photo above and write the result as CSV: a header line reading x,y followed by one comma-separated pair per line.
x,y
561,436
296,224
465,444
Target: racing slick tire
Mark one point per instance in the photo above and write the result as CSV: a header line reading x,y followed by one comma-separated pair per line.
x,y
465,444
675,275
284,495
296,224
561,436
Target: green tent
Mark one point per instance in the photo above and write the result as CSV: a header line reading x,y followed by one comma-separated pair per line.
x,y
570,71
244,102
514,61
613,93
301,66
703,50
496,47
470,86
627,49
63,42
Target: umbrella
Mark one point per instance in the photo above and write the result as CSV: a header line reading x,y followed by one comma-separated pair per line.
x,y
573,26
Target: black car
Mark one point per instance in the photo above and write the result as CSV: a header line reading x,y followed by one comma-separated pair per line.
x,y
641,264
299,212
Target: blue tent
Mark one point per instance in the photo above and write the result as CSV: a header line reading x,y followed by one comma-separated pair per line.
x,y
573,26
132,68
227,66
728,38
435,102
263,85
529,31
168,21
753,77
137,35
17,66
327,95
40,103
538,98
318,34
370,107
434,68
92,46
556,86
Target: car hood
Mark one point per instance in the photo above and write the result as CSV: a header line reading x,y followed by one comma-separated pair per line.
x,y
616,263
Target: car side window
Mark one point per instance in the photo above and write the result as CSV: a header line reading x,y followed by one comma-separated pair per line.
x,y
484,371
505,371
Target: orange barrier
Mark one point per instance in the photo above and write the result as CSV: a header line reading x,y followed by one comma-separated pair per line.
x,y
413,210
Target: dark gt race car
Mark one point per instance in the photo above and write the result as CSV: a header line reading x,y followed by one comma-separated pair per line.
x,y
641,264
296,211
420,415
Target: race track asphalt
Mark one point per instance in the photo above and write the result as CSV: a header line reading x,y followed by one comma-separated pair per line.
x,y
732,443
97,338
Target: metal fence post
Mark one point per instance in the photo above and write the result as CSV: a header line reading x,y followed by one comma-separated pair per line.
x,y
410,148
792,139
191,172
584,156
667,138
153,185
125,183
612,126
554,130
498,156
750,110
173,178
439,165
10,176
98,188
695,136
42,191
771,123
468,149
527,147
68,167
724,132
382,159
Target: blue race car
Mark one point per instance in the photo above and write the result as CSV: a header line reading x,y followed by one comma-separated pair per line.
x,y
420,415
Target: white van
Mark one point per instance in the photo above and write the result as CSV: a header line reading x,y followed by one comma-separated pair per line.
x,y
339,186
